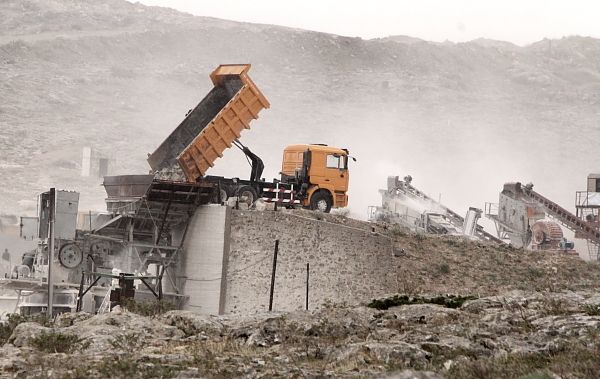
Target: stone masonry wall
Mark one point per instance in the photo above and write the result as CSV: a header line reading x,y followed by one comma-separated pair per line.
x,y
348,262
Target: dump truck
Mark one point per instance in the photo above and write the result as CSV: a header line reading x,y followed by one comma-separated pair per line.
x,y
314,176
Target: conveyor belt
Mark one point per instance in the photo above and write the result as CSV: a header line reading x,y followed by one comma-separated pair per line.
x,y
456,219
582,228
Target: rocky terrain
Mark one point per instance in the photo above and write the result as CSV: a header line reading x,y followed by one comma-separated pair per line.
x,y
461,310
543,335
461,118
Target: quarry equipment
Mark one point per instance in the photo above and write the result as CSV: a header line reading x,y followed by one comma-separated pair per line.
x,y
404,204
470,223
548,235
136,237
140,240
313,175
520,207
437,223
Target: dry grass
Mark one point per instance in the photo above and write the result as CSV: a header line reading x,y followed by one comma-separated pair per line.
x,y
572,359
439,264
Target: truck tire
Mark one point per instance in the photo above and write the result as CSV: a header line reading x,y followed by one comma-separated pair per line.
x,y
320,201
247,194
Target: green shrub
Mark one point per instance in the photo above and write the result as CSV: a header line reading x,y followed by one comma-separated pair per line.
x,y
126,366
127,341
56,342
14,319
534,272
555,307
448,301
398,232
444,268
148,307
591,309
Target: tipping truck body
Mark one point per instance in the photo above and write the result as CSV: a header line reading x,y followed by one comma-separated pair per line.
x,y
314,176
213,125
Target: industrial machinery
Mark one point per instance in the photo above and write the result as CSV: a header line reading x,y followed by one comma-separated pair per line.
x,y
547,235
587,205
404,204
314,176
437,223
521,212
514,215
132,239
135,249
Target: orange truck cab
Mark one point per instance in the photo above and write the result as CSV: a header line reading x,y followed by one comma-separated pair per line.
x,y
322,173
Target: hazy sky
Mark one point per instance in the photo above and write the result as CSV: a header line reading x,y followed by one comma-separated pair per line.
x,y
517,21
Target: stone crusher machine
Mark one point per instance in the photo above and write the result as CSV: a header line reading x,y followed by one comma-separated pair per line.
x,y
314,176
404,204
521,216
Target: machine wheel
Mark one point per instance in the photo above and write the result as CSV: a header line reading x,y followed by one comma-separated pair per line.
x,y
70,255
247,194
321,202
546,234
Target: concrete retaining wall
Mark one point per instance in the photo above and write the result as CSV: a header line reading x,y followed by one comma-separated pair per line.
x,y
348,263
206,248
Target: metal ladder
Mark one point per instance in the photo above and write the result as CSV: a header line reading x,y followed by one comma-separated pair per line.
x,y
105,306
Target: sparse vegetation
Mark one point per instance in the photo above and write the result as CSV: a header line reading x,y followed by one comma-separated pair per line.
x,y
449,301
398,231
56,342
148,308
591,309
534,272
444,268
572,359
555,307
127,341
14,319
129,367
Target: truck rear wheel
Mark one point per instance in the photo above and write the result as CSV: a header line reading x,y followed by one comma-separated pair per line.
x,y
247,194
321,202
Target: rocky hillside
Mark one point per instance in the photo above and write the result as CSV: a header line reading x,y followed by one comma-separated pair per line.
x,y
460,310
510,313
460,118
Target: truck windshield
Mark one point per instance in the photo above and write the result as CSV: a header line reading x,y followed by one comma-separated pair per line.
x,y
336,161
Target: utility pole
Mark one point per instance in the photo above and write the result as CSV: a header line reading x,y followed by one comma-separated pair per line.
x,y
307,282
51,221
273,275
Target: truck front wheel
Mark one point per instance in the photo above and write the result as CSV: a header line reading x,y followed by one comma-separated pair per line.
x,y
321,202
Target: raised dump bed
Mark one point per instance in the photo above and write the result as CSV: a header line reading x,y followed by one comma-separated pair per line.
x,y
213,125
